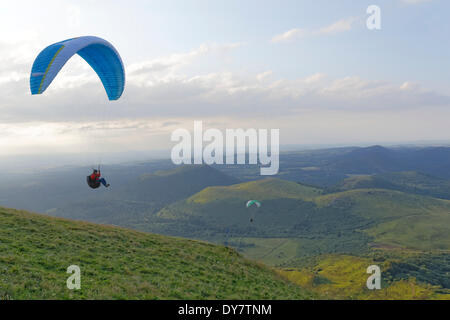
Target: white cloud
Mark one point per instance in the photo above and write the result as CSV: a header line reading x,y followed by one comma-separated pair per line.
x,y
315,78
212,94
337,27
74,109
176,60
290,35
264,75
408,85
334,28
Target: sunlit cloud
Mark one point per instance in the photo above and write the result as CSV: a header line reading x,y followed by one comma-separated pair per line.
x,y
340,26
290,35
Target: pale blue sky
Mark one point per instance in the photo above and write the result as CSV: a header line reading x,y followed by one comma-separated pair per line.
x,y
219,61
412,44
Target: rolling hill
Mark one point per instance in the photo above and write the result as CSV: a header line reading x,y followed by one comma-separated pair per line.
x,y
398,218
373,159
297,222
139,187
291,210
221,210
406,181
117,263
328,167
378,159
408,234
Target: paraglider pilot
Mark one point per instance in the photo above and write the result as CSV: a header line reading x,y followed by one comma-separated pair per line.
x,y
95,179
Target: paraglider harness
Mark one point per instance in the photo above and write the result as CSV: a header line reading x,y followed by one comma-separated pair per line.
x,y
94,184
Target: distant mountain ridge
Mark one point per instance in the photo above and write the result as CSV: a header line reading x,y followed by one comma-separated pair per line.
x,y
409,181
378,159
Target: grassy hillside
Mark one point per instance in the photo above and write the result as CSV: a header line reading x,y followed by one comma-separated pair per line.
x,y
123,264
266,189
397,218
228,203
344,277
380,204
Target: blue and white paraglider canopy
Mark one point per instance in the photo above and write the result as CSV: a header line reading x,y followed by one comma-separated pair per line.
x,y
98,53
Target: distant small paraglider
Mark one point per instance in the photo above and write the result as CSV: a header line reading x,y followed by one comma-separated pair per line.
x,y
254,203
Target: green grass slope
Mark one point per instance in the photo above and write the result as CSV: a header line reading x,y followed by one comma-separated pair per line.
x,y
116,263
214,211
266,189
344,277
381,204
397,218
210,201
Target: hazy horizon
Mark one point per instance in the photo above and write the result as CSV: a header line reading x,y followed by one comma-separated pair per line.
x,y
37,162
